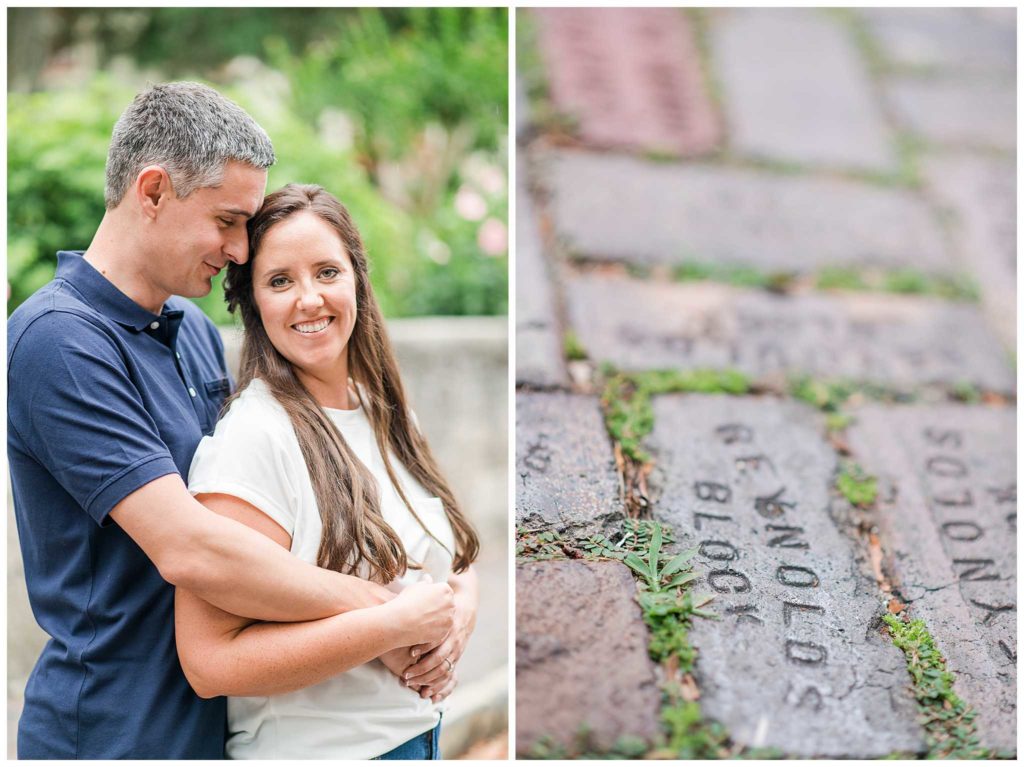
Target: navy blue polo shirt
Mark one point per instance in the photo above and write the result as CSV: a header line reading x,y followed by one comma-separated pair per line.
x,y
104,397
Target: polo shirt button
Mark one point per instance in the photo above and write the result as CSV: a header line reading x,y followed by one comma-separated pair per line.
x,y
191,391
178,355
154,326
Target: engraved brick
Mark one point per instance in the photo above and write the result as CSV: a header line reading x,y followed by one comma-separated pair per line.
x,y
796,661
956,112
630,76
895,340
565,469
581,656
981,193
948,519
622,208
795,89
538,350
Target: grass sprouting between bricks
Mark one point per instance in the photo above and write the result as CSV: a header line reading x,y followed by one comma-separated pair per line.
x,y
947,719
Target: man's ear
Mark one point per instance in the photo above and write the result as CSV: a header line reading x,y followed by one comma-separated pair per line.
x,y
152,189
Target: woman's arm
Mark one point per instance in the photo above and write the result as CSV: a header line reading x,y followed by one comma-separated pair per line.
x,y
223,654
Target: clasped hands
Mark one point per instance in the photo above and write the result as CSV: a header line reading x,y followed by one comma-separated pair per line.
x,y
429,668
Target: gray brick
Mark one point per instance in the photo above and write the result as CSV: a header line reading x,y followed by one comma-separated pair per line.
x,y
581,656
795,89
621,208
981,192
960,113
895,340
565,469
957,40
797,661
538,349
948,518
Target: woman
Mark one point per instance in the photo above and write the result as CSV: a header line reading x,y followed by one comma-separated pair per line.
x,y
319,451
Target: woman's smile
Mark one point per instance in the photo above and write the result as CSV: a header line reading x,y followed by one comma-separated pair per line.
x,y
313,327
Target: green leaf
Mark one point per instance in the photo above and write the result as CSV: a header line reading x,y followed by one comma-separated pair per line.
x,y
681,580
637,564
677,562
655,551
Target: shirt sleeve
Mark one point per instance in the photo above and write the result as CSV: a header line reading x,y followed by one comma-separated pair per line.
x,y
74,405
253,455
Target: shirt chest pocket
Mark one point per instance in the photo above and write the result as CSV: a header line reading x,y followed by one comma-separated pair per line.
x,y
214,392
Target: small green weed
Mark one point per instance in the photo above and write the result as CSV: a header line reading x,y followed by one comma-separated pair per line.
x,y
966,392
573,347
740,276
947,719
838,278
838,421
858,487
539,545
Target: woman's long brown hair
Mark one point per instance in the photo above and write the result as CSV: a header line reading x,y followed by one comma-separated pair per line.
x,y
354,530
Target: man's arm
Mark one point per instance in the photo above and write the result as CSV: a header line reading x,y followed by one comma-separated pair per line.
x,y
230,565
223,654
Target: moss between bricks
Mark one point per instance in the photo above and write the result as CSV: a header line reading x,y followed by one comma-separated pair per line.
x,y
901,281
573,347
947,719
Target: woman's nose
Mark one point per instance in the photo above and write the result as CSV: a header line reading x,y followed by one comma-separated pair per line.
x,y
310,296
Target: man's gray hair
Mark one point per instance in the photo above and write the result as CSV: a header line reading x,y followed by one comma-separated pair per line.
x,y
191,131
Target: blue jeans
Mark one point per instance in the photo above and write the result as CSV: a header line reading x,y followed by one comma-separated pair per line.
x,y
421,747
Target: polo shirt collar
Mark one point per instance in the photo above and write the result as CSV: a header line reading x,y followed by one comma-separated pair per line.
x,y
103,296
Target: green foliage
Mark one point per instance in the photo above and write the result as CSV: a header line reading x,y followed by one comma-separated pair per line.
x,y
539,545
947,719
584,746
838,421
627,400
574,349
741,276
841,278
423,93
964,391
858,487
827,396
690,737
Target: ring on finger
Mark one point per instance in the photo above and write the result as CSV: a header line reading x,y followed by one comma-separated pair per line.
x,y
450,664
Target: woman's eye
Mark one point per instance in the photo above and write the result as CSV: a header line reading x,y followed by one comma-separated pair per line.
x,y
278,282
330,273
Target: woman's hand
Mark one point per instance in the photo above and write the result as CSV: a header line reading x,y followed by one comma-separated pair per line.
x,y
424,613
438,660
397,661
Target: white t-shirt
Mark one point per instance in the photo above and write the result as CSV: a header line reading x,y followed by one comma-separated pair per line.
x,y
365,712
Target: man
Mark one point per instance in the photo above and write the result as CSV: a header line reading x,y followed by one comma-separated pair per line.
x,y
112,382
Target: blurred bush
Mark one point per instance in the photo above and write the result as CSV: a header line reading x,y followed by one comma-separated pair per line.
x,y
400,113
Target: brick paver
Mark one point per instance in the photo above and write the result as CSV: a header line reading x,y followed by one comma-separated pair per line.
x,y
565,470
961,113
980,191
622,208
793,663
948,515
630,76
796,90
955,40
538,346
581,656
895,340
